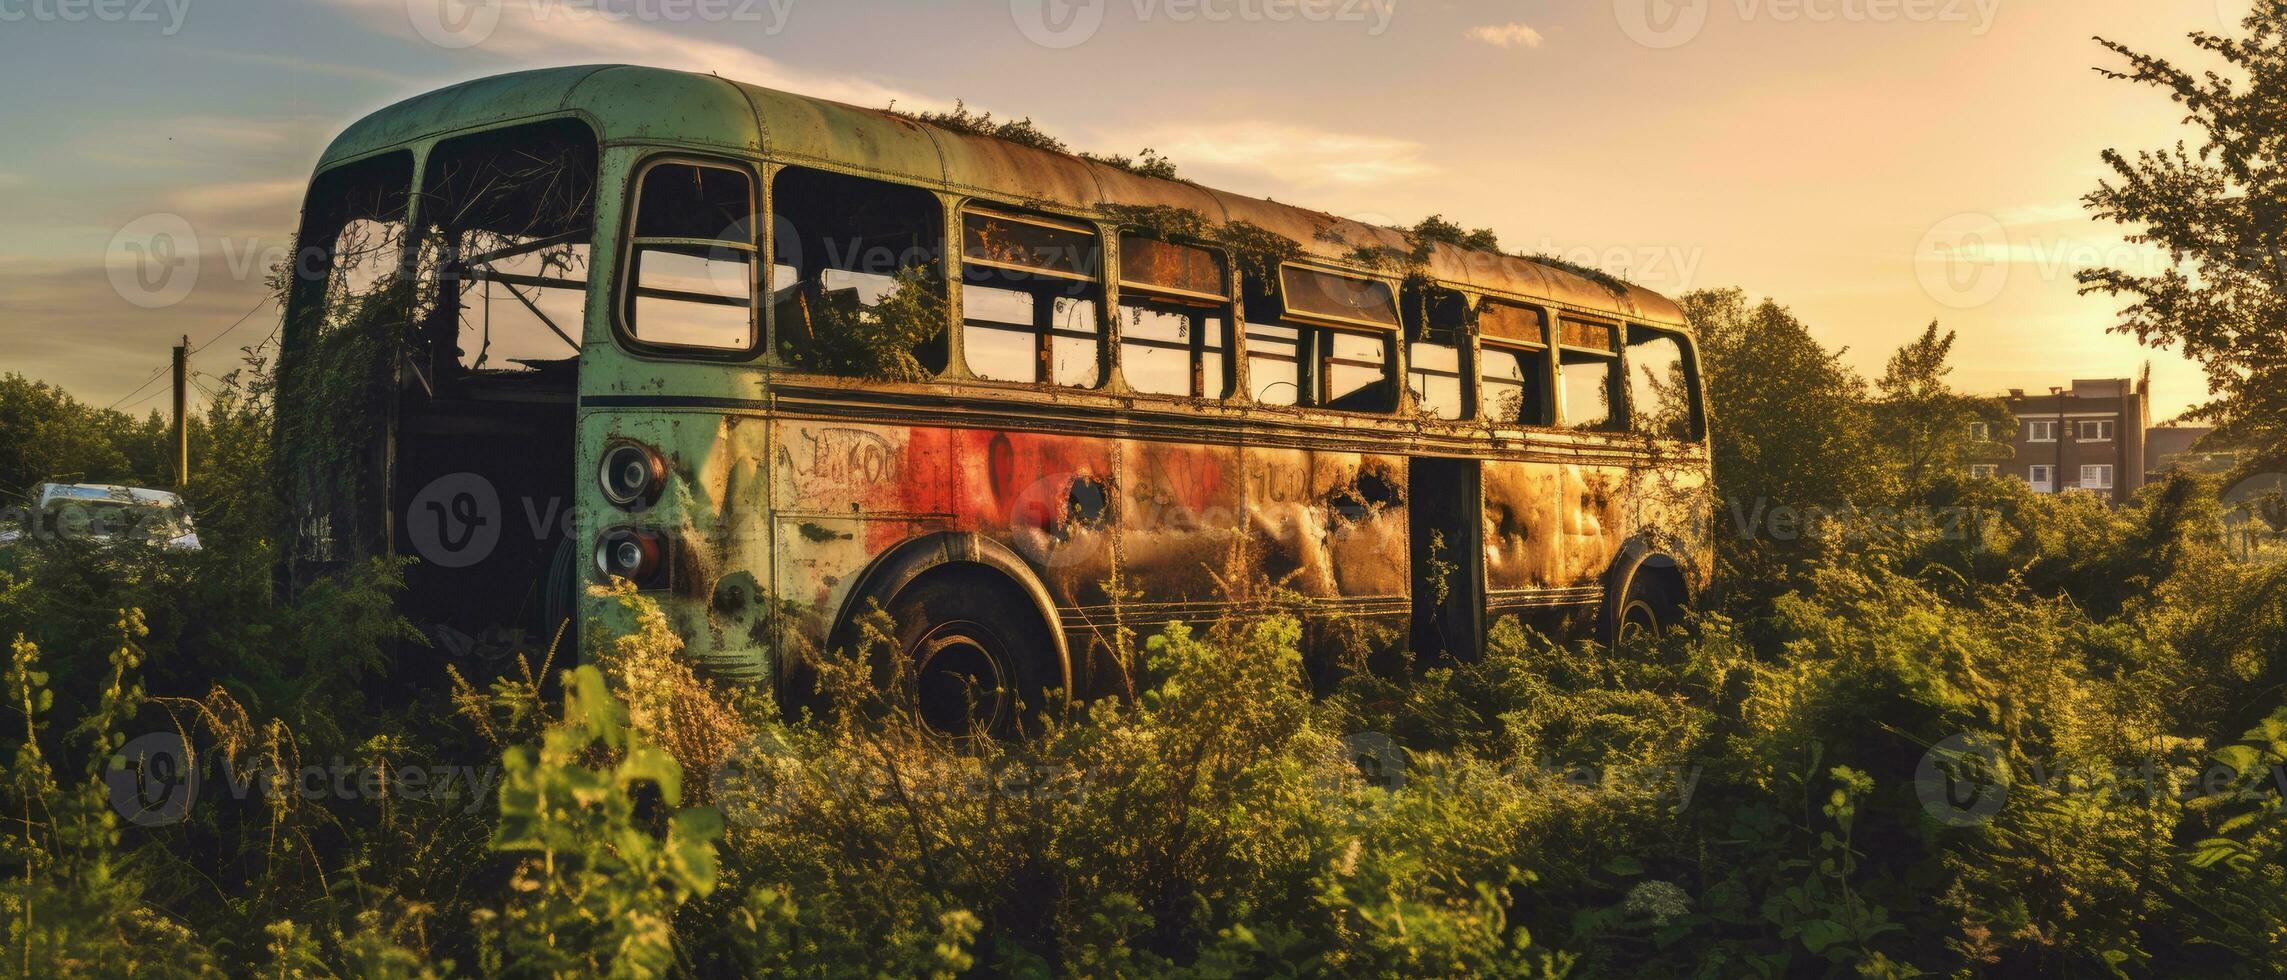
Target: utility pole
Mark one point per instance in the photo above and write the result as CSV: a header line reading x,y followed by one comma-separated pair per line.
x,y
182,421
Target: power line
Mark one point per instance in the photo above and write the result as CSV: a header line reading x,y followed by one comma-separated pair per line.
x,y
139,402
138,388
258,304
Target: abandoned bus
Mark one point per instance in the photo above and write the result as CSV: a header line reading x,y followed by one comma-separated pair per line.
x,y
777,361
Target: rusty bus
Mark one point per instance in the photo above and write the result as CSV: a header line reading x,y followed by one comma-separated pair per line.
x,y
1011,396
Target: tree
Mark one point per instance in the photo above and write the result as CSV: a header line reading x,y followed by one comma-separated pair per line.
x,y
47,434
2219,212
1788,424
1921,422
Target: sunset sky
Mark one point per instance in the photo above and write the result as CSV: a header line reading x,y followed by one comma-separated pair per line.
x,y
1874,164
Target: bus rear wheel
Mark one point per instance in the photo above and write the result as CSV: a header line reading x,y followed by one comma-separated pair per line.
x,y
973,656
1652,606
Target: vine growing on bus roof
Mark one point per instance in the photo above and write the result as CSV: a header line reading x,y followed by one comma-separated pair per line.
x,y
1024,132
1161,221
1257,250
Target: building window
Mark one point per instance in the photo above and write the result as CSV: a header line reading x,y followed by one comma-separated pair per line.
x,y
2043,477
2041,431
1981,432
1984,471
2096,477
2093,430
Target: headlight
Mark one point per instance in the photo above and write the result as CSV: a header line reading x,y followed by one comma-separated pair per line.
x,y
632,475
638,556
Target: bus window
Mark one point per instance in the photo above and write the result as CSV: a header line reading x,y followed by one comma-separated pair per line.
x,y
353,237
1332,296
1659,386
510,214
1433,360
1354,360
1355,368
1175,319
1323,337
1274,363
1589,371
1029,299
855,291
1513,364
691,266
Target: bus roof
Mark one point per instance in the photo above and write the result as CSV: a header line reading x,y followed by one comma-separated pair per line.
x,y
638,105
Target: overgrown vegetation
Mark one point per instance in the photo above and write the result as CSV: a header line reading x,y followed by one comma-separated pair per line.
x,y
1932,725
1764,795
1024,132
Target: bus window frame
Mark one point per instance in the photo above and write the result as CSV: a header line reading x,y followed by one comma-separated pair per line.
x,y
1616,422
1546,356
1313,347
1227,304
623,290
1461,338
1687,345
1106,294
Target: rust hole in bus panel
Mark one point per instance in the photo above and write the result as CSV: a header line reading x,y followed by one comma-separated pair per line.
x,y
1371,493
1086,506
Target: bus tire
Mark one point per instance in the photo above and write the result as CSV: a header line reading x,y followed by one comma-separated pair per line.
x,y
1653,604
972,656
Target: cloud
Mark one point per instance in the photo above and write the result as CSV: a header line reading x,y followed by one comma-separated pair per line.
x,y
1294,154
1506,35
544,34
272,196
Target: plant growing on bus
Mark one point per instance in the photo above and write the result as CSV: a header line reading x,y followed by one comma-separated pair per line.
x,y
880,341
1148,163
961,120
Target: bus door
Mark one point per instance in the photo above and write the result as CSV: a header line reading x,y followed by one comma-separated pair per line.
x,y
1447,518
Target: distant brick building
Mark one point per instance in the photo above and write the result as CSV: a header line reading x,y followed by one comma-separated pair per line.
x,y
2089,438
2169,447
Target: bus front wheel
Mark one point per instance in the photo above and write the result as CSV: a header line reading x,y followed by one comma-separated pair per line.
x,y
973,656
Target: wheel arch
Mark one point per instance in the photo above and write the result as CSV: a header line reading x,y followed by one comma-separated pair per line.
x,y
904,564
1645,555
